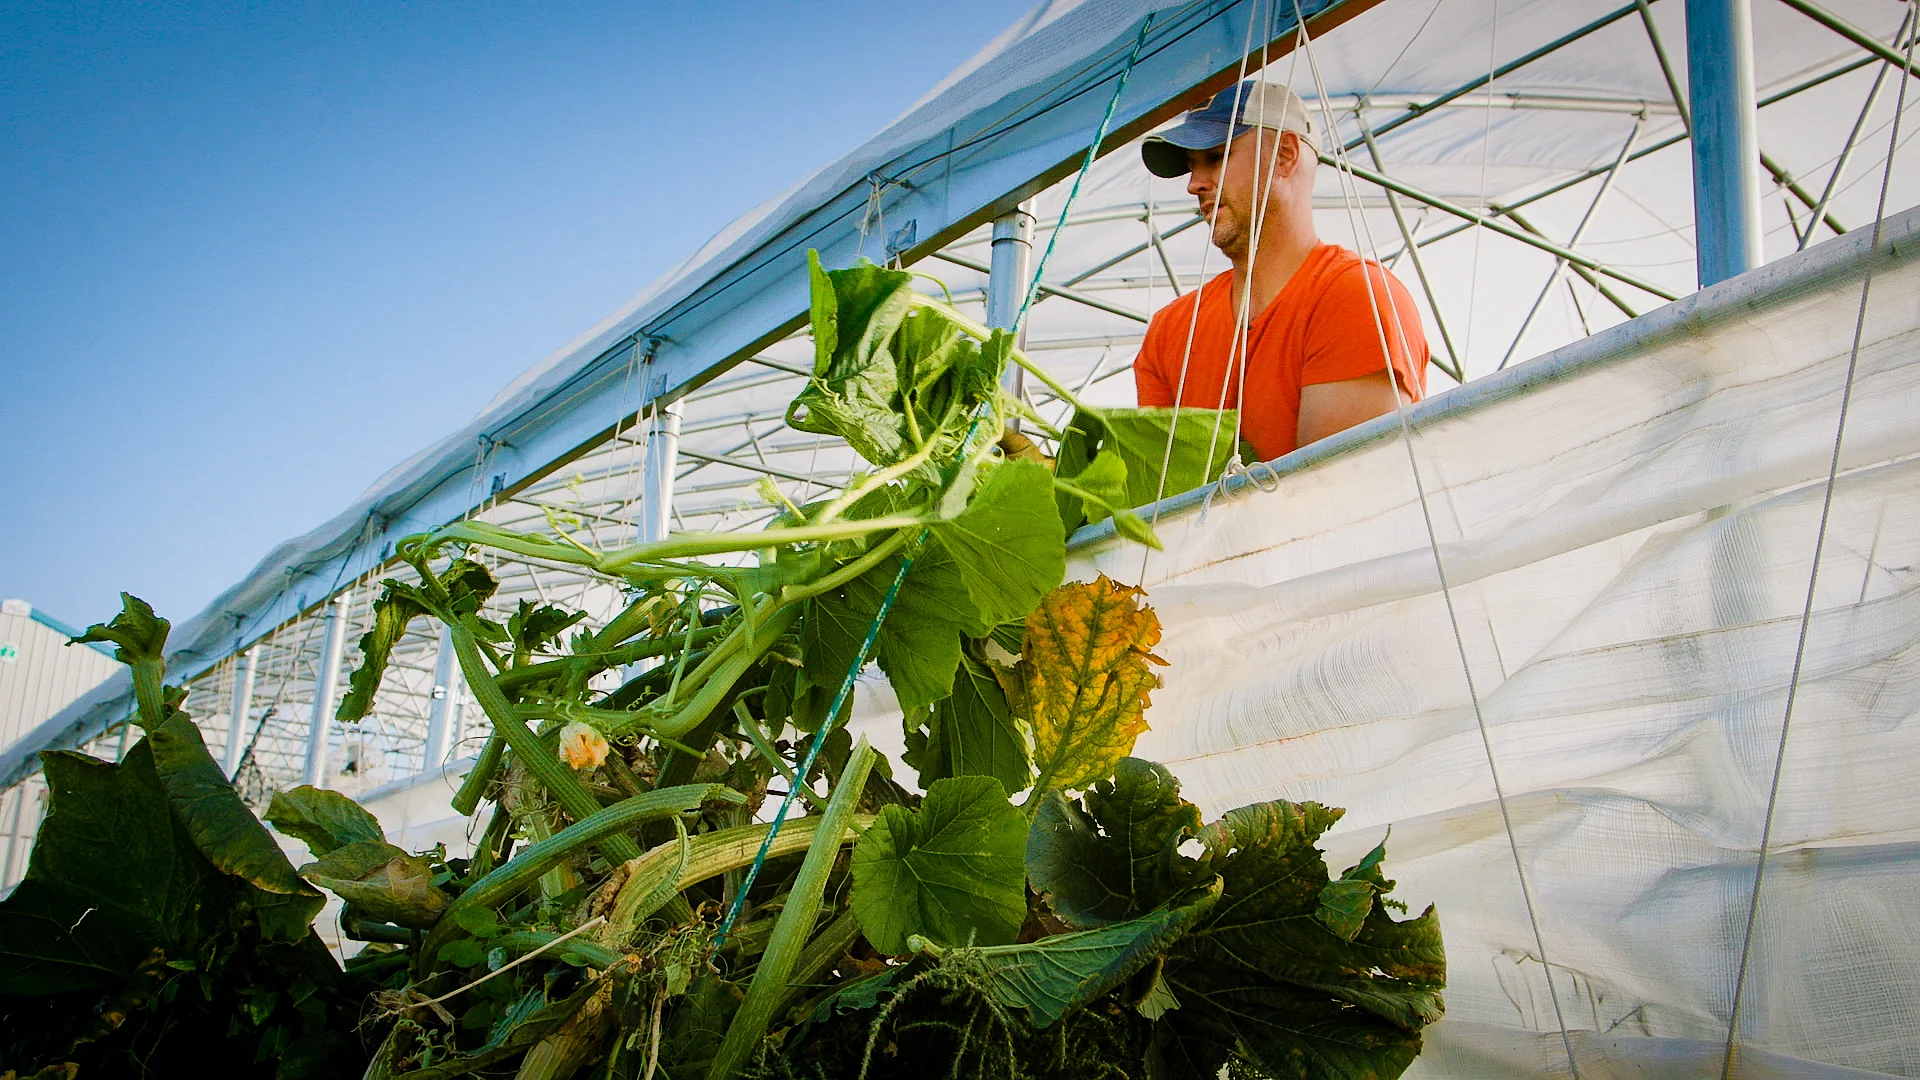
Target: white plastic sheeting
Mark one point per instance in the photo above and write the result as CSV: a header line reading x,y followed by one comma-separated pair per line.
x,y
1627,527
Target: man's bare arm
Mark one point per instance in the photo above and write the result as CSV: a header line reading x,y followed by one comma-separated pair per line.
x,y
1327,408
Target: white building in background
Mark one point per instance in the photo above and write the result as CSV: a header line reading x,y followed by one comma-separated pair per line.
x,y
39,675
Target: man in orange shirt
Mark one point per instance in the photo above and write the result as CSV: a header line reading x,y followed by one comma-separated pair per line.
x,y
1314,322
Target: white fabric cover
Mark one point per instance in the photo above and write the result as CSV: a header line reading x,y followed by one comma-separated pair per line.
x,y
1627,527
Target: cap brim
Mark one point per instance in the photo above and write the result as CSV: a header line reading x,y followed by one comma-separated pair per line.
x,y
1165,152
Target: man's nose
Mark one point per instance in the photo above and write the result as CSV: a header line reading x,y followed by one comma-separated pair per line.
x,y
1199,182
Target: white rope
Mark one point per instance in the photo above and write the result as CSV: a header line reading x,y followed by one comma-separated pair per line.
x,y
1813,576
1350,196
1193,324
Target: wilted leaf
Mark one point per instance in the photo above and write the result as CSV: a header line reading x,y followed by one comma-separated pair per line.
x,y
325,820
1057,974
109,880
949,872
137,632
399,604
227,833
1346,901
1120,856
1083,680
1265,973
533,627
381,880
855,386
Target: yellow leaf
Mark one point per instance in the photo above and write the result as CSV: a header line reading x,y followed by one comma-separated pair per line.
x,y
1083,679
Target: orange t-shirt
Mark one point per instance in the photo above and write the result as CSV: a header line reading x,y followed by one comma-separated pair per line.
x,y
1320,329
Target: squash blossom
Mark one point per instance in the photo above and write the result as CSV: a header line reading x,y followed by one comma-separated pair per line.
x,y
581,746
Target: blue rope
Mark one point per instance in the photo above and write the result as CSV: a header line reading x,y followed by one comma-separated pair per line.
x,y
1093,151
893,591
813,748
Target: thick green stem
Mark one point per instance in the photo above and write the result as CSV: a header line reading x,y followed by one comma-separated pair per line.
x,y
707,855
879,553
873,482
771,979
552,773
591,662
577,949
718,673
525,868
149,692
683,545
474,787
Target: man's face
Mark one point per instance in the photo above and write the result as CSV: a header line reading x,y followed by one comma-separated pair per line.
x,y
1224,182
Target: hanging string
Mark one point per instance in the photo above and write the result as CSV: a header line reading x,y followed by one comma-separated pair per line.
x,y
1350,197
1813,574
1193,322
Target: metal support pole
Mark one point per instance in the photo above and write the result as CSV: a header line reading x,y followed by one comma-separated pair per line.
x,y
440,705
1726,141
656,489
1009,276
321,711
241,711
13,833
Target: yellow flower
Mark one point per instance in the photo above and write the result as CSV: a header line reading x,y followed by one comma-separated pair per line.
x,y
581,746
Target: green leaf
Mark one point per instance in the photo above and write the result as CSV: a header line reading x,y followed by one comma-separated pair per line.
x,y
399,605
325,820
970,733
990,565
1007,547
464,953
855,387
479,921
950,872
1055,975
1114,455
383,881
108,883
1121,855
227,833
1083,680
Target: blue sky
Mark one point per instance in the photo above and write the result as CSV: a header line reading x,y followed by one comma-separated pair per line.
x,y
253,255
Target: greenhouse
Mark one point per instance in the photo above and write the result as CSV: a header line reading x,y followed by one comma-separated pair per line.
x,y
1609,641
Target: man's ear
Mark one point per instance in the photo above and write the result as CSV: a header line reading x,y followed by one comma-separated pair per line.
x,y
1293,153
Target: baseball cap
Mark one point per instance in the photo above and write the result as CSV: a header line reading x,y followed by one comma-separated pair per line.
x,y
1232,113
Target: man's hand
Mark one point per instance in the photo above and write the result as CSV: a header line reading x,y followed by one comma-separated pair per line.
x,y
1327,408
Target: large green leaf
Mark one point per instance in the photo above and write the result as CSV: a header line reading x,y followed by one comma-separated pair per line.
x,y
1119,856
950,872
1007,547
970,733
325,820
109,881
990,564
228,834
1055,975
1137,438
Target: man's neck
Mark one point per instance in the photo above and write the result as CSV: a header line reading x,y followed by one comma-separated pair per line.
x,y
1268,269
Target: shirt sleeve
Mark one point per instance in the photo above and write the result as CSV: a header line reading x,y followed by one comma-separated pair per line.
x,y
1343,338
1152,388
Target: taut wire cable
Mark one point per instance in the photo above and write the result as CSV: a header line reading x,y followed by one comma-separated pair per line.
x,y
1813,574
1350,196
